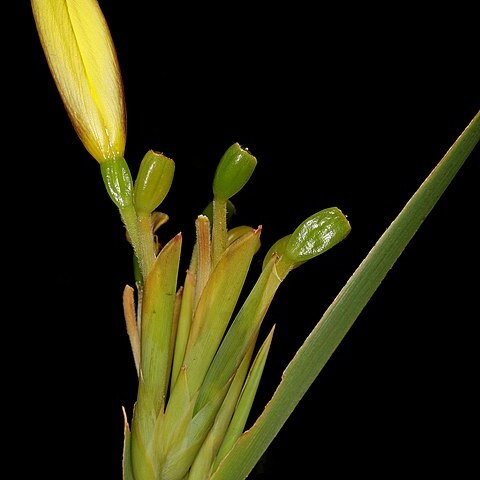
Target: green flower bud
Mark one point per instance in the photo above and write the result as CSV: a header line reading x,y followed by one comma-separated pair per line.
x,y
153,181
233,172
317,234
118,181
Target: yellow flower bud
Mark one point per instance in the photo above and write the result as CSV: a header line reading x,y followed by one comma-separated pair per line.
x,y
82,58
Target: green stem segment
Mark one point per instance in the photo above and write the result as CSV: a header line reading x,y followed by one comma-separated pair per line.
x,y
146,245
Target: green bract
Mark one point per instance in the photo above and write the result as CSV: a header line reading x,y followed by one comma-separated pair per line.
x,y
118,181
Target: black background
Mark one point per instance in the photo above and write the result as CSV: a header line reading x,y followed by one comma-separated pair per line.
x,y
347,108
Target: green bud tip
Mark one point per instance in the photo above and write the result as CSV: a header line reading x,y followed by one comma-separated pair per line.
x,y
233,172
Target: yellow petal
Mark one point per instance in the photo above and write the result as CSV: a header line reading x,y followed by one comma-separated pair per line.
x,y
82,58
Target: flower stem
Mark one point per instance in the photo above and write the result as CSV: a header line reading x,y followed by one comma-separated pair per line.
x,y
146,244
139,229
